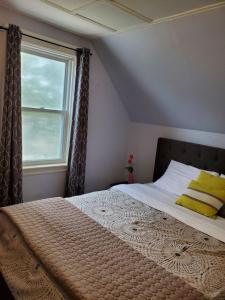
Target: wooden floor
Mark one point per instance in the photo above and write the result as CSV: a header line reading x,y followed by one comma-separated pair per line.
x,y
4,291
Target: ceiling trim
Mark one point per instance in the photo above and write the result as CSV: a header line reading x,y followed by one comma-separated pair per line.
x,y
189,12
130,11
50,3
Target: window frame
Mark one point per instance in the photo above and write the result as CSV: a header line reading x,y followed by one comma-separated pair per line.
x,y
66,111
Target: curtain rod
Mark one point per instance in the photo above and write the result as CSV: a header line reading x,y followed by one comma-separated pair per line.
x,y
43,40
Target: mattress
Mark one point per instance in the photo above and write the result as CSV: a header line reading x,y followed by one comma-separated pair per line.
x,y
143,218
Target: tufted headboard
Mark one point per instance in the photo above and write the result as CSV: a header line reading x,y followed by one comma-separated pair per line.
x,y
200,156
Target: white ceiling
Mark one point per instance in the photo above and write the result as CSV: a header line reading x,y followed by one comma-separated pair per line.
x,y
95,18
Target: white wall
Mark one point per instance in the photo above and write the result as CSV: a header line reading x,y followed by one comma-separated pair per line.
x,y
108,121
107,131
143,141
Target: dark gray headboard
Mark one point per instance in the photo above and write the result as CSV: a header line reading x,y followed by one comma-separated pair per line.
x,y
200,156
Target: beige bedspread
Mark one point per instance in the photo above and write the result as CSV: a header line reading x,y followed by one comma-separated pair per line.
x,y
160,258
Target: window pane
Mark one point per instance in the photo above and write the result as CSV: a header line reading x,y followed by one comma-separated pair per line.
x,y
42,81
42,136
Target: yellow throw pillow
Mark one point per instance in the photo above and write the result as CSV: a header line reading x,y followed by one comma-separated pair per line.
x,y
202,198
211,180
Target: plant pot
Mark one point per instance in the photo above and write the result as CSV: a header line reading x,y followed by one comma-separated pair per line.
x,y
130,178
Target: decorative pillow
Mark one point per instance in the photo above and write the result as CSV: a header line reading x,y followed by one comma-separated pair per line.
x,y
202,198
212,181
221,212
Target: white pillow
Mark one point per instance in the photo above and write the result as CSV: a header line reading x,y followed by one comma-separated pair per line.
x,y
177,177
223,176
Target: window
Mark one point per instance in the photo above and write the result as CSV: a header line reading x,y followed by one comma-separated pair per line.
x,y
47,93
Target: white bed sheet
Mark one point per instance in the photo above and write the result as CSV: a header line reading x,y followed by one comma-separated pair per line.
x,y
165,201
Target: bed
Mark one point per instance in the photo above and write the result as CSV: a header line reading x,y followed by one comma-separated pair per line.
x,y
129,242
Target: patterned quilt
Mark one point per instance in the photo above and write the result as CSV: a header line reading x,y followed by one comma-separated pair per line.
x,y
137,253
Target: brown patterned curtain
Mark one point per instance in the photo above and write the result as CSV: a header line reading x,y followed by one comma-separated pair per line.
x,y
11,136
78,140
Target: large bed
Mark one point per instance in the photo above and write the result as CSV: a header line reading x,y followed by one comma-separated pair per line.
x,y
128,242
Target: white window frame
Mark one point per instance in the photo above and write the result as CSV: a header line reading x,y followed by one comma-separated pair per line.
x,y
43,166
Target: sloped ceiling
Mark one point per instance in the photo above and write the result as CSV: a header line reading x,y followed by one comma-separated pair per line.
x,y
173,73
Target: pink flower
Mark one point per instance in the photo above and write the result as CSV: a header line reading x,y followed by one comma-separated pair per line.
x,y
131,156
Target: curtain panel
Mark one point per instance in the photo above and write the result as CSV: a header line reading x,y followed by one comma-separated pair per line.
x,y
75,180
3,35
11,135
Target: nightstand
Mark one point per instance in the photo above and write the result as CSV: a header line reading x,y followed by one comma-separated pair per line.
x,y
119,182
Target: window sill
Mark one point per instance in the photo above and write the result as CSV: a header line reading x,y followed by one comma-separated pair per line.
x,y
44,169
